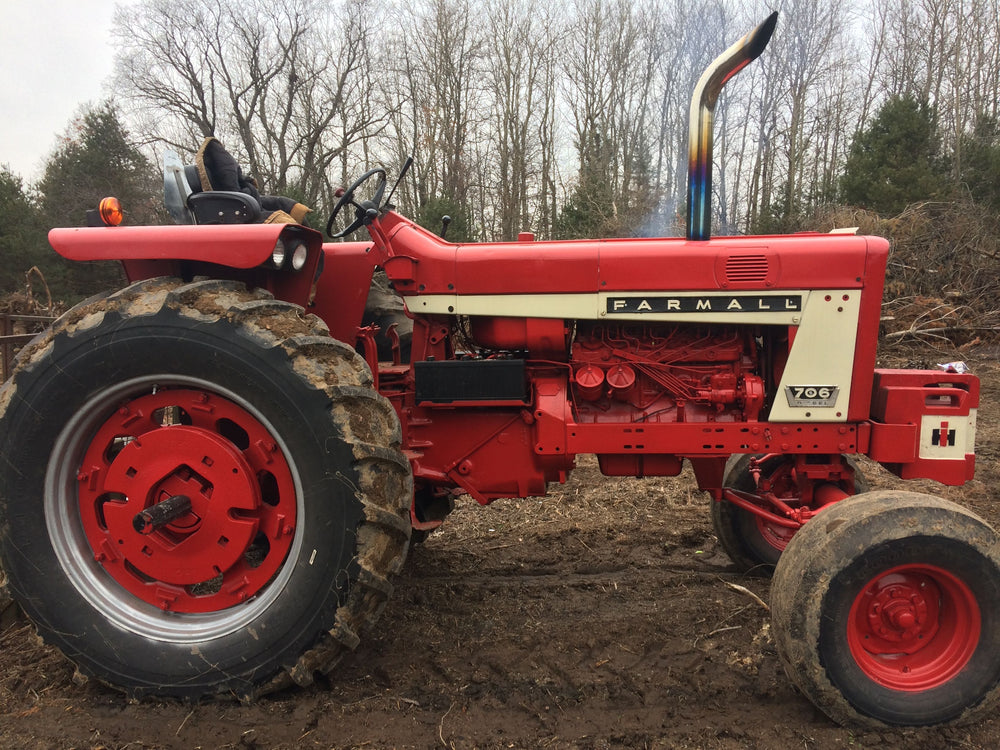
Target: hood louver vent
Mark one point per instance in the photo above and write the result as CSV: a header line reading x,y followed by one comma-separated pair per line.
x,y
746,269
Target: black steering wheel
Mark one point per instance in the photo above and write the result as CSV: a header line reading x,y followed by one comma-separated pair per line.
x,y
364,211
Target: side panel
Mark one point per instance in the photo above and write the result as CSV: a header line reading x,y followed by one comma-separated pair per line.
x,y
865,353
342,288
816,382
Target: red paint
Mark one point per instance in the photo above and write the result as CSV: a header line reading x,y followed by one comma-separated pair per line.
x,y
642,396
914,628
900,399
791,493
236,245
243,505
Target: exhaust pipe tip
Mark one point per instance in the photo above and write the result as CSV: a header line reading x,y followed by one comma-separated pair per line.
x,y
700,135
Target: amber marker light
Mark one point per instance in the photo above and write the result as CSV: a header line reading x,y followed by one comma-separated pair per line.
x,y
111,211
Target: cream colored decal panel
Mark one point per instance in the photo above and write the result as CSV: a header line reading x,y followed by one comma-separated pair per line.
x,y
778,308
816,383
569,306
947,437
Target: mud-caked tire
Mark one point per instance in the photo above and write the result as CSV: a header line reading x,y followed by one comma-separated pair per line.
x,y
886,611
200,493
753,544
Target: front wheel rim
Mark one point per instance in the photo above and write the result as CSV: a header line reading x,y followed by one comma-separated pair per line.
x,y
913,627
201,575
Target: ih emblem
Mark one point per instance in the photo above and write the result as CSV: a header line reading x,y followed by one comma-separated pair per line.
x,y
942,436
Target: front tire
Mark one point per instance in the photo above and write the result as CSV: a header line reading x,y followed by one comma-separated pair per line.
x,y
886,611
278,469
753,543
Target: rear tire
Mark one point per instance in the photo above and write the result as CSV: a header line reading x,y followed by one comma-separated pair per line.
x,y
298,493
886,611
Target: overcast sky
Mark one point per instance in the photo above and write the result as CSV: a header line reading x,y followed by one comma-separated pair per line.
x,y
54,56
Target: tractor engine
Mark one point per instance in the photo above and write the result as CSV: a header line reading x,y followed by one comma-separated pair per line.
x,y
665,373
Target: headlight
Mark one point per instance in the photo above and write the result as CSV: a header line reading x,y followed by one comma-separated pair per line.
x,y
278,254
299,256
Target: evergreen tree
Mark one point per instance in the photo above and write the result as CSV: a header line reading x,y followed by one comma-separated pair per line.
x,y
22,241
593,209
895,160
590,209
431,214
95,159
980,170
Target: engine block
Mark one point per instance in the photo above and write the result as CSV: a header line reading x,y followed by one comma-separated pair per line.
x,y
666,373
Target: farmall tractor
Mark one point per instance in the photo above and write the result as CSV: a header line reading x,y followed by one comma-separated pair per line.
x,y
209,477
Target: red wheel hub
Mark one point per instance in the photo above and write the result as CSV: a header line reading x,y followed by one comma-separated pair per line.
x,y
237,532
913,628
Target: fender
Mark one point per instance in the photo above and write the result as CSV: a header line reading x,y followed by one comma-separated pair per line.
x,y
233,245
188,251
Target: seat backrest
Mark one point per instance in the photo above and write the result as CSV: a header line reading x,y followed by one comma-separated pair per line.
x,y
187,204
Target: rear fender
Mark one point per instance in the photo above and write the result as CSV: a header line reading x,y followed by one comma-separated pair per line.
x,y
232,251
233,245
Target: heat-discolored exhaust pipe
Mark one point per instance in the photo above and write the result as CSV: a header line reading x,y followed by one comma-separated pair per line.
x,y
706,93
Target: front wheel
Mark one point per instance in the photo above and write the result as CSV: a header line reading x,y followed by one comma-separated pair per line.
x,y
755,543
886,611
201,494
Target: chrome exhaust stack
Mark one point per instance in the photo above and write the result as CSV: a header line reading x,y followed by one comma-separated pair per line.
x,y
700,137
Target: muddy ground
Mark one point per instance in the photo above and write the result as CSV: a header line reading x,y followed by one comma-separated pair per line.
x,y
604,616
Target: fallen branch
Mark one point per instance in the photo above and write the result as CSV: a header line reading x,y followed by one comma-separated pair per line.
x,y
441,725
937,331
747,592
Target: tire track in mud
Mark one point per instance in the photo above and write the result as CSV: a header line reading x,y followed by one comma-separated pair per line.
x,y
560,651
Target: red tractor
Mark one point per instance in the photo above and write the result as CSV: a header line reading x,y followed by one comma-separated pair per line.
x,y
209,477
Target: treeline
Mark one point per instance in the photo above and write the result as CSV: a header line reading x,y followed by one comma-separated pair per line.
x,y
566,118
569,118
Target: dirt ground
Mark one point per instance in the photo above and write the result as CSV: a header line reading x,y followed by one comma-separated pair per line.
x,y
603,616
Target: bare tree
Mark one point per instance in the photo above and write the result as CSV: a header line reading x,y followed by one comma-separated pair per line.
x,y
438,73
517,110
608,65
520,52
274,83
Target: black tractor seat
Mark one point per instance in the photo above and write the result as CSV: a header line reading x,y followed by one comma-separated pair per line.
x,y
214,190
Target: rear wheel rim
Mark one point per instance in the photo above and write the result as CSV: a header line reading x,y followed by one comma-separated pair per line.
x,y
202,575
913,627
